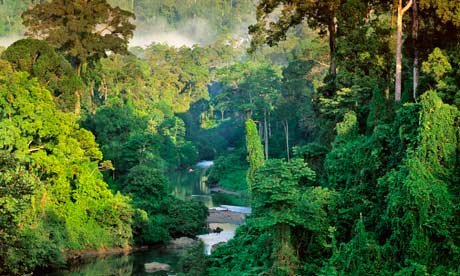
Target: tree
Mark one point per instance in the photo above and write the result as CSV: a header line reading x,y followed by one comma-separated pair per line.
x,y
84,30
51,69
73,209
255,152
294,212
295,101
423,194
399,32
17,187
322,14
416,66
260,91
446,10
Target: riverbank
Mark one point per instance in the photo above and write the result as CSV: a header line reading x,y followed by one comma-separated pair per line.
x,y
224,215
220,190
77,256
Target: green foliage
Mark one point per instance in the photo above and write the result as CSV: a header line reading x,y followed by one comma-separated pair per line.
x,y
72,207
148,229
347,129
193,262
291,13
440,74
42,62
362,255
229,171
248,253
421,196
445,10
385,196
255,153
146,185
16,194
314,154
280,191
275,239
184,218
437,64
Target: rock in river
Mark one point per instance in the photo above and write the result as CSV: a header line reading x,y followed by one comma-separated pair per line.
x,y
154,267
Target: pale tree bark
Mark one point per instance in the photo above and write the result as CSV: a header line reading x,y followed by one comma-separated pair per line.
x,y
77,108
399,32
286,135
266,134
261,130
416,68
269,127
78,93
332,29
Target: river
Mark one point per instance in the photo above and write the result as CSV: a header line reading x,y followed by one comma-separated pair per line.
x,y
187,184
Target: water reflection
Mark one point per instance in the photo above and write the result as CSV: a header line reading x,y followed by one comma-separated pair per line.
x,y
124,265
191,184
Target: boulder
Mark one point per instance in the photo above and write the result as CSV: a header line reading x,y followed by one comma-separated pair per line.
x,y
154,267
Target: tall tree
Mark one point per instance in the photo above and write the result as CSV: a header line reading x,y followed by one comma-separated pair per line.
x,y
399,32
415,27
259,92
83,30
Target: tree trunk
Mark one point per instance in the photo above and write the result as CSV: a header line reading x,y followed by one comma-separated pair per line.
x,y
78,93
269,126
398,77
266,134
77,107
286,135
261,130
285,255
332,28
414,40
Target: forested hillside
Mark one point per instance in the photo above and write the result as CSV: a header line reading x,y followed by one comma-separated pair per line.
x,y
337,122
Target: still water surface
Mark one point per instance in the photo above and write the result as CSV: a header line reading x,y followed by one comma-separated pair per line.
x,y
124,265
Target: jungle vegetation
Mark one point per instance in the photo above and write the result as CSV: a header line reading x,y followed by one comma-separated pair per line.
x,y
339,120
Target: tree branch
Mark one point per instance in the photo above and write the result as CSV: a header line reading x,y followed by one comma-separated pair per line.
x,y
408,5
36,149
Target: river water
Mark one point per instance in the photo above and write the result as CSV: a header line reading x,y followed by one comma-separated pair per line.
x,y
187,184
